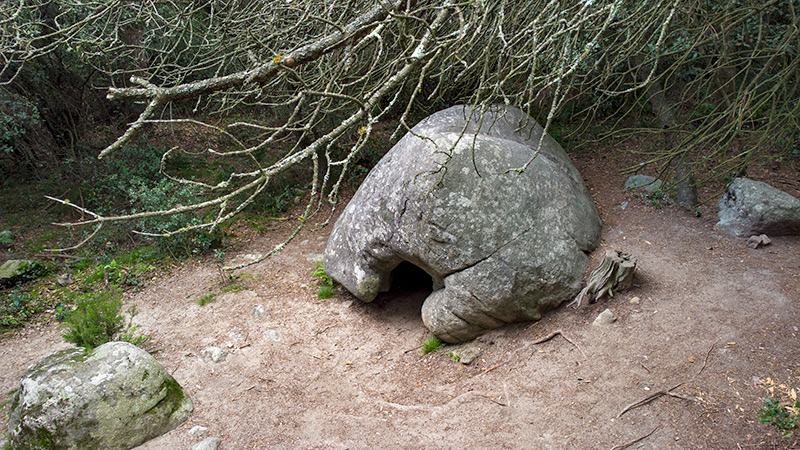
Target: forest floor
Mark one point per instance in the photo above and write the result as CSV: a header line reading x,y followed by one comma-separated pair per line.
x,y
709,320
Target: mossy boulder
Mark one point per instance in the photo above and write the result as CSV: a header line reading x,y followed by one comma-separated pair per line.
x,y
115,397
12,270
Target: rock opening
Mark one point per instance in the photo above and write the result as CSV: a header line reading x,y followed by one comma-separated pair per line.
x,y
407,277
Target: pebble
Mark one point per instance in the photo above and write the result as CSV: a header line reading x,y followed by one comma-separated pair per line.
x,y
211,443
272,335
237,334
469,354
197,429
635,300
213,354
605,318
259,312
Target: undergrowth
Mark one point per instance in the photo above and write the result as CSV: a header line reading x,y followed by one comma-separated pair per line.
x,y
326,286
97,319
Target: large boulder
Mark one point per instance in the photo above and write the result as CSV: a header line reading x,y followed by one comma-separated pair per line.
x,y
115,397
752,207
501,245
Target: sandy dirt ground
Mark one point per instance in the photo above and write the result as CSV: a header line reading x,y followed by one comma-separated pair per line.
x,y
709,320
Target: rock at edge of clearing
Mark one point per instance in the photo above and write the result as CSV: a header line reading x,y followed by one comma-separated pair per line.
x,y
211,443
752,207
114,397
605,318
646,182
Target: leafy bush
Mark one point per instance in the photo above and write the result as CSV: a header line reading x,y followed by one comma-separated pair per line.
x,y
206,299
134,183
17,306
97,320
785,419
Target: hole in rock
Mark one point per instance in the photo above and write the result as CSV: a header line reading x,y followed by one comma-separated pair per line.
x,y
409,288
407,277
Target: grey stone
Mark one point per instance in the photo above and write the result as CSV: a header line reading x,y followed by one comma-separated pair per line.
x,y
211,443
65,279
11,270
500,245
752,207
197,429
758,241
272,335
213,354
259,312
237,334
646,182
115,397
605,318
469,354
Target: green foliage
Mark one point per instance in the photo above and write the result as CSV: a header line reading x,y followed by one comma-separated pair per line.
x,y
97,319
32,271
455,356
785,419
17,307
117,274
234,288
326,286
432,344
206,299
134,183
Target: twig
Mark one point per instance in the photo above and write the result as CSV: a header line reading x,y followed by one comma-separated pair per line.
x,y
649,399
628,444
705,361
552,335
492,368
404,352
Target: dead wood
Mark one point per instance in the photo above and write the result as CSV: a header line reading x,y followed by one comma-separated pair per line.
x,y
652,397
629,443
615,273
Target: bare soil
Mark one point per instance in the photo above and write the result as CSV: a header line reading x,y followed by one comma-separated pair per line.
x,y
711,320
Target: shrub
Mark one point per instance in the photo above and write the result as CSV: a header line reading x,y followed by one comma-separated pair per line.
x,y
97,320
431,345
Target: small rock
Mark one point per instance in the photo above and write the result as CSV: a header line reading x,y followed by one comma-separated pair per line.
x,y
237,334
605,318
259,312
650,184
211,443
197,429
634,301
272,335
758,241
314,258
469,354
65,279
213,354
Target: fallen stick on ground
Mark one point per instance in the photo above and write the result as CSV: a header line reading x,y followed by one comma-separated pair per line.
x,y
628,444
554,334
652,397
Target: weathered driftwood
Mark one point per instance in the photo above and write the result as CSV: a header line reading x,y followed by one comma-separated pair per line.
x,y
614,274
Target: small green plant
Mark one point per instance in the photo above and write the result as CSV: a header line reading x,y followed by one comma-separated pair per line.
x,y
326,288
785,419
206,299
455,356
18,306
97,320
431,345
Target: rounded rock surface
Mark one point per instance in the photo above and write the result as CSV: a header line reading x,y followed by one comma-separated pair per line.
x,y
500,244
